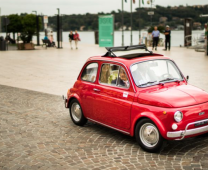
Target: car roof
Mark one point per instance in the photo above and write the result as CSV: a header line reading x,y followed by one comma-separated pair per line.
x,y
127,55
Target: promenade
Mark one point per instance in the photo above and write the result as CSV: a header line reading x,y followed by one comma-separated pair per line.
x,y
36,131
54,70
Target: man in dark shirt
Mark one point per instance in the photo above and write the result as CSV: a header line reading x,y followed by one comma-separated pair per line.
x,y
167,37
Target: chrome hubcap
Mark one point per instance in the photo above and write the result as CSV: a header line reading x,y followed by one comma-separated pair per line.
x,y
149,135
76,112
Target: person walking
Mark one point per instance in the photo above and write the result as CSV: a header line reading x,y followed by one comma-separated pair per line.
x,y
76,38
50,37
155,37
167,38
71,38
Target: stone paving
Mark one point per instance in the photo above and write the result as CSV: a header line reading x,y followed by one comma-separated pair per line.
x,y
36,133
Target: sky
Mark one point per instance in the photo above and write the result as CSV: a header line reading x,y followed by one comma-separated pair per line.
x,y
49,7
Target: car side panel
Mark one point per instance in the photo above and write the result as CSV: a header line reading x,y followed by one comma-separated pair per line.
x,y
86,94
113,106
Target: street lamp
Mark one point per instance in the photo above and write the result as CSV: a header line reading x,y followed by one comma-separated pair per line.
x,y
58,29
151,3
35,12
37,26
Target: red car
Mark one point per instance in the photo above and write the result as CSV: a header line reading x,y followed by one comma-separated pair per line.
x,y
139,93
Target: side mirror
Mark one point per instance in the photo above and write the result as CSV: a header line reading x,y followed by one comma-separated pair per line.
x,y
187,78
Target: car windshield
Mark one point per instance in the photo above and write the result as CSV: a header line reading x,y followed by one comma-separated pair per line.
x,y
155,72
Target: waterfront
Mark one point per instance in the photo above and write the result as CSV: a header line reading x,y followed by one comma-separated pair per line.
x,y
88,37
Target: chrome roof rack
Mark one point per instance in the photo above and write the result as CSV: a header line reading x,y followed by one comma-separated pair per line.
x,y
128,51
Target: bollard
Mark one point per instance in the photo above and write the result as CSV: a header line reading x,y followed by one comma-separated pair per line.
x,y
187,32
2,44
206,40
96,37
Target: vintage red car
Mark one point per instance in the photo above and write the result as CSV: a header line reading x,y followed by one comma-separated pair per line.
x,y
139,93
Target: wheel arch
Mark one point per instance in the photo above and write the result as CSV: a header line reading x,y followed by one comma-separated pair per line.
x,y
153,118
74,96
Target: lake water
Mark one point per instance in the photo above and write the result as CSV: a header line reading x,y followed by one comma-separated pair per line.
x,y
87,37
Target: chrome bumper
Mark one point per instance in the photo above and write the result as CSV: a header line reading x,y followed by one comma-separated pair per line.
x,y
65,101
183,133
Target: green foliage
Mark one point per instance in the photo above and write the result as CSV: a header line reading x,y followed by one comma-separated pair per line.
x,y
141,19
15,24
29,27
24,24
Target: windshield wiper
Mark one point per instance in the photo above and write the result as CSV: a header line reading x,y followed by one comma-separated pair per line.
x,y
168,79
149,82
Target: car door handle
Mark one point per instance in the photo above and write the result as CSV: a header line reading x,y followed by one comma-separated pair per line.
x,y
97,90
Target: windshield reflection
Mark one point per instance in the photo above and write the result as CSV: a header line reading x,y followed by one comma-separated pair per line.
x,y
155,72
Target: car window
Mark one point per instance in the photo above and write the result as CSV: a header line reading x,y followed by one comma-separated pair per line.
x,y
155,71
90,72
113,75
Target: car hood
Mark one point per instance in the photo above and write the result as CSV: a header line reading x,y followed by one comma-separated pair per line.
x,y
173,97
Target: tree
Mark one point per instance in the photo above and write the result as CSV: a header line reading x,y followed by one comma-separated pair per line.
x,y
15,24
29,27
24,24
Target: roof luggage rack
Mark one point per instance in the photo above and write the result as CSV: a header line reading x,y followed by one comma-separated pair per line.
x,y
128,51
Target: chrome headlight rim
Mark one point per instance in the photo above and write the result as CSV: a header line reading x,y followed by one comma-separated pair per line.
x,y
176,118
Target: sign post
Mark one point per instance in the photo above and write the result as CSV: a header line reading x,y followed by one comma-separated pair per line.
x,y
188,32
206,40
150,13
106,30
45,21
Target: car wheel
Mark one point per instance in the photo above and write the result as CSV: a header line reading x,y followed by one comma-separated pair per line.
x,y
76,114
148,136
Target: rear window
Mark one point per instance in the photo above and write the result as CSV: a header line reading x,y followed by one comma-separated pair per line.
x,y
90,72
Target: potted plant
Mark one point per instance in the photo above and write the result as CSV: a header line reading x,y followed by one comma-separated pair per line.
x,y
28,30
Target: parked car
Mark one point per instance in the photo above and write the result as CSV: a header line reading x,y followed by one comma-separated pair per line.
x,y
138,93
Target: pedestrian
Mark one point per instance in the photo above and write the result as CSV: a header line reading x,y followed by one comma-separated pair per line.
x,y
51,36
167,38
46,38
51,39
155,36
19,37
71,38
76,38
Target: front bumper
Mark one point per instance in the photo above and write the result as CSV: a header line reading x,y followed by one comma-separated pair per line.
x,y
65,101
182,133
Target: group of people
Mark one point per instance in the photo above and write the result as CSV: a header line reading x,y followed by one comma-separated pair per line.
x,y
156,35
9,39
74,37
50,38
121,80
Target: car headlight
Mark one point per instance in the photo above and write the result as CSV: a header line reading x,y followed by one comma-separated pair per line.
x,y
178,116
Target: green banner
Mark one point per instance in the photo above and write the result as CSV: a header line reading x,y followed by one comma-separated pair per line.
x,y
106,31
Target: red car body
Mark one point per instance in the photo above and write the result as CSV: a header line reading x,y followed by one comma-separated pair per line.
x,y
121,109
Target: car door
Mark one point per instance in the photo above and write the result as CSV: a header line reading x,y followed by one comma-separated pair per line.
x,y
113,100
86,87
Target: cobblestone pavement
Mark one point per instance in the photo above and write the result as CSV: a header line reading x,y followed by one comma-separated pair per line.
x,y
37,133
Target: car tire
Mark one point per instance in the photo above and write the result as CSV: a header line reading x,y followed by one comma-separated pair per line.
x,y
76,113
148,136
